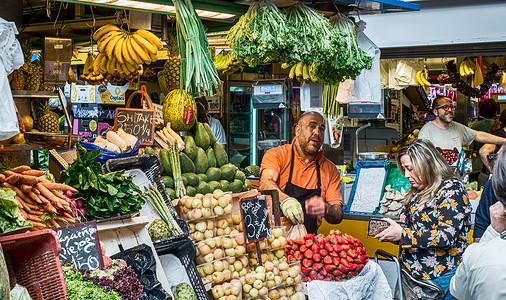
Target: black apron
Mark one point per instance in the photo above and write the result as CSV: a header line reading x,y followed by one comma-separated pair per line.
x,y
302,195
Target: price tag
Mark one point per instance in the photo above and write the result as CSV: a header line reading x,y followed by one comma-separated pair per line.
x,y
255,219
80,245
138,122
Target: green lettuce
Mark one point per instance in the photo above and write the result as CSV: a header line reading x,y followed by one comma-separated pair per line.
x,y
10,218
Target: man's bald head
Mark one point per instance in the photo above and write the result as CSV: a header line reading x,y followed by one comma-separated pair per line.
x,y
309,132
309,115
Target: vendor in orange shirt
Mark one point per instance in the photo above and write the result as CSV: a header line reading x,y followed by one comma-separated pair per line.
x,y
309,183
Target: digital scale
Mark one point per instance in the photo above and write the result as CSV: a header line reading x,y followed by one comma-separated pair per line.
x,y
269,94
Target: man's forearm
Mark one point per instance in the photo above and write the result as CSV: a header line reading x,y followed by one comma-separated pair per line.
x,y
268,184
333,213
488,138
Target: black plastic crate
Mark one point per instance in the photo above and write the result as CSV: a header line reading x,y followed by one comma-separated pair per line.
x,y
151,165
185,251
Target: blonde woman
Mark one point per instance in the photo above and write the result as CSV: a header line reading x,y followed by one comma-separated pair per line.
x,y
436,220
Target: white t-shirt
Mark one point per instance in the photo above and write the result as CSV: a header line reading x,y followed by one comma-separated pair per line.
x,y
455,136
218,130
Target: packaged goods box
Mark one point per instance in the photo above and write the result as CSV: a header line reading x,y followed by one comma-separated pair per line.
x,y
100,94
92,111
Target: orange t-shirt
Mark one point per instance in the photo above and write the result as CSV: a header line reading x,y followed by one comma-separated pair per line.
x,y
278,159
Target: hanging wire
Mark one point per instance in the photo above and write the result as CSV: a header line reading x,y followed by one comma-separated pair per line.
x,y
94,20
58,30
48,8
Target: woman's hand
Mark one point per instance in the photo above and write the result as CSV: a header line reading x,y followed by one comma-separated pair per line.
x,y
392,233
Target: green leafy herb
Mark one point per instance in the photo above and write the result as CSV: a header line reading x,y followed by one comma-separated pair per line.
x,y
10,218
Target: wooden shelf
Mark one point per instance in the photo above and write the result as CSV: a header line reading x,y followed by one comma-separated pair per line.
x,y
19,147
33,94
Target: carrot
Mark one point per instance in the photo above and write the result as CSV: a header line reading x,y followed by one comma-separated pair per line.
x,y
32,207
49,208
25,188
21,169
34,197
23,203
46,193
36,212
34,173
64,219
67,215
2,178
58,186
18,192
36,191
10,173
37,224
43,199
60,195
33,218
28,179
53,222
13,179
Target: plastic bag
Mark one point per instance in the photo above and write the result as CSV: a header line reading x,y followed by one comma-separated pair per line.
x,y
336,129
19,293
105,155
296,231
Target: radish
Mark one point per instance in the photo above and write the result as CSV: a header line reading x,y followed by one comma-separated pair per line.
x,y
79,203
69,194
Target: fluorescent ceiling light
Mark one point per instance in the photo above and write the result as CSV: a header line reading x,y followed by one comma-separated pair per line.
x,y
154,7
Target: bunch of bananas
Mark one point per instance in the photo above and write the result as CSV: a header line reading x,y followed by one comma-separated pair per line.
x,y
126,50
227,64
421,80
150,72
502,81
466,67
89,73
301,71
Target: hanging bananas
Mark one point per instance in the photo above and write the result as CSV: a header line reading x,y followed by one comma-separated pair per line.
x,y
227,64
421,80
502,80
302,71
122,53
467,67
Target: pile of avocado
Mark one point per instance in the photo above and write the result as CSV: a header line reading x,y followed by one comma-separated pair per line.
x,y
204,171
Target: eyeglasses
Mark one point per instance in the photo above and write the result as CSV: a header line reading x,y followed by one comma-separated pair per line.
x,y
446,107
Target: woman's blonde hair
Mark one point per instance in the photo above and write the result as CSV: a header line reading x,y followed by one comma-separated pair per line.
x,y
428,164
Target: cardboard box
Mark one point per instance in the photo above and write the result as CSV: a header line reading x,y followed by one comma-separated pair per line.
x,y
92,111
111,94
86,127
82,93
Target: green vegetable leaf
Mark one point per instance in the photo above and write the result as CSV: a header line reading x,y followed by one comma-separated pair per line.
x,y
112,190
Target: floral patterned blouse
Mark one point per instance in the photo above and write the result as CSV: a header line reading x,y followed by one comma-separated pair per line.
x,y
435,235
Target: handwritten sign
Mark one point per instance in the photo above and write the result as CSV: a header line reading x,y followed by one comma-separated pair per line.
x,y
254,218
80,245
138,122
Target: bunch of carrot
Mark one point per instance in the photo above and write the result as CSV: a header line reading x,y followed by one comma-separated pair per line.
x,y
39,200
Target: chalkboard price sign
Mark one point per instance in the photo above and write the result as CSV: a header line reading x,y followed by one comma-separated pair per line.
x,y
80,245
255,219
138,122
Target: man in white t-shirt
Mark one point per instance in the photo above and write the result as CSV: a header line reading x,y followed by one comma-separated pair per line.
x,y
216,127
443,132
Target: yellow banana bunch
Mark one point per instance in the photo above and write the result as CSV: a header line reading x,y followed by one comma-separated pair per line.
x,y
421,80
466,68
478,76
227,64
502,81
126,47
302,71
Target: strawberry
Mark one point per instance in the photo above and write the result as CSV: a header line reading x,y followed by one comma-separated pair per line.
x,y
352,253
298,255
309,243
312,274
315,249
352,273
319,277
327,260
326,279
333,239
307,263
350,239
299,241
305,270
289,258
324,252
353,266
307,279
308,236
361,250
343,254
357,260
324,272
335,260
345,247
328,247
341,240
317,257
337,248
308,254
357,244
333,254
345,263
342,269
336,232
349,258
290,242
303,248
317,266
330,268
336,273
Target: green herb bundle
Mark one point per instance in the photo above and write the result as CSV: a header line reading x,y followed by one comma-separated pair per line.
x,y
349,60
261,35
198,73
313,40
106,195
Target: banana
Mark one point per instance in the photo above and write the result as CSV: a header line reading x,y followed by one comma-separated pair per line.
x,y
467,68
305,72
298,69
153,57
502,80
129,67
417,78
423,80
140,51
292,72
131,51
126,54
111,67
471,66
284,65
150,37
104,41
103,31
144,43
102,67
118,51
96,63
109,48
462,72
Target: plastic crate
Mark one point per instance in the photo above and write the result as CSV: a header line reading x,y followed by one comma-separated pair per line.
x,y
151,165
185,251
33,261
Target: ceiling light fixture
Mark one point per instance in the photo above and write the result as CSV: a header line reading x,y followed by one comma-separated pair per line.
x,y
151,7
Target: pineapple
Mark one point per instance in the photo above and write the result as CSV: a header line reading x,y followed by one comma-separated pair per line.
x,y
34,76
173,64
47,121
17,79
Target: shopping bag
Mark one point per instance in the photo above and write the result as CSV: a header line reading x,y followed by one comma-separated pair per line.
x,y
296,231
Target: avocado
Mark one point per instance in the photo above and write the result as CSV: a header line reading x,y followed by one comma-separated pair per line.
x,y
190,149
201,164
171,193
213,185
228,172
202,177
203,188
191,191
193,180
220,154
210,133
201,136
247,185
186,163
224,185
236,186
211,159
213,174
185,179
240,175
168,182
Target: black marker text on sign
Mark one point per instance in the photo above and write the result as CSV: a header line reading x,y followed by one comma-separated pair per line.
x,y
255,218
